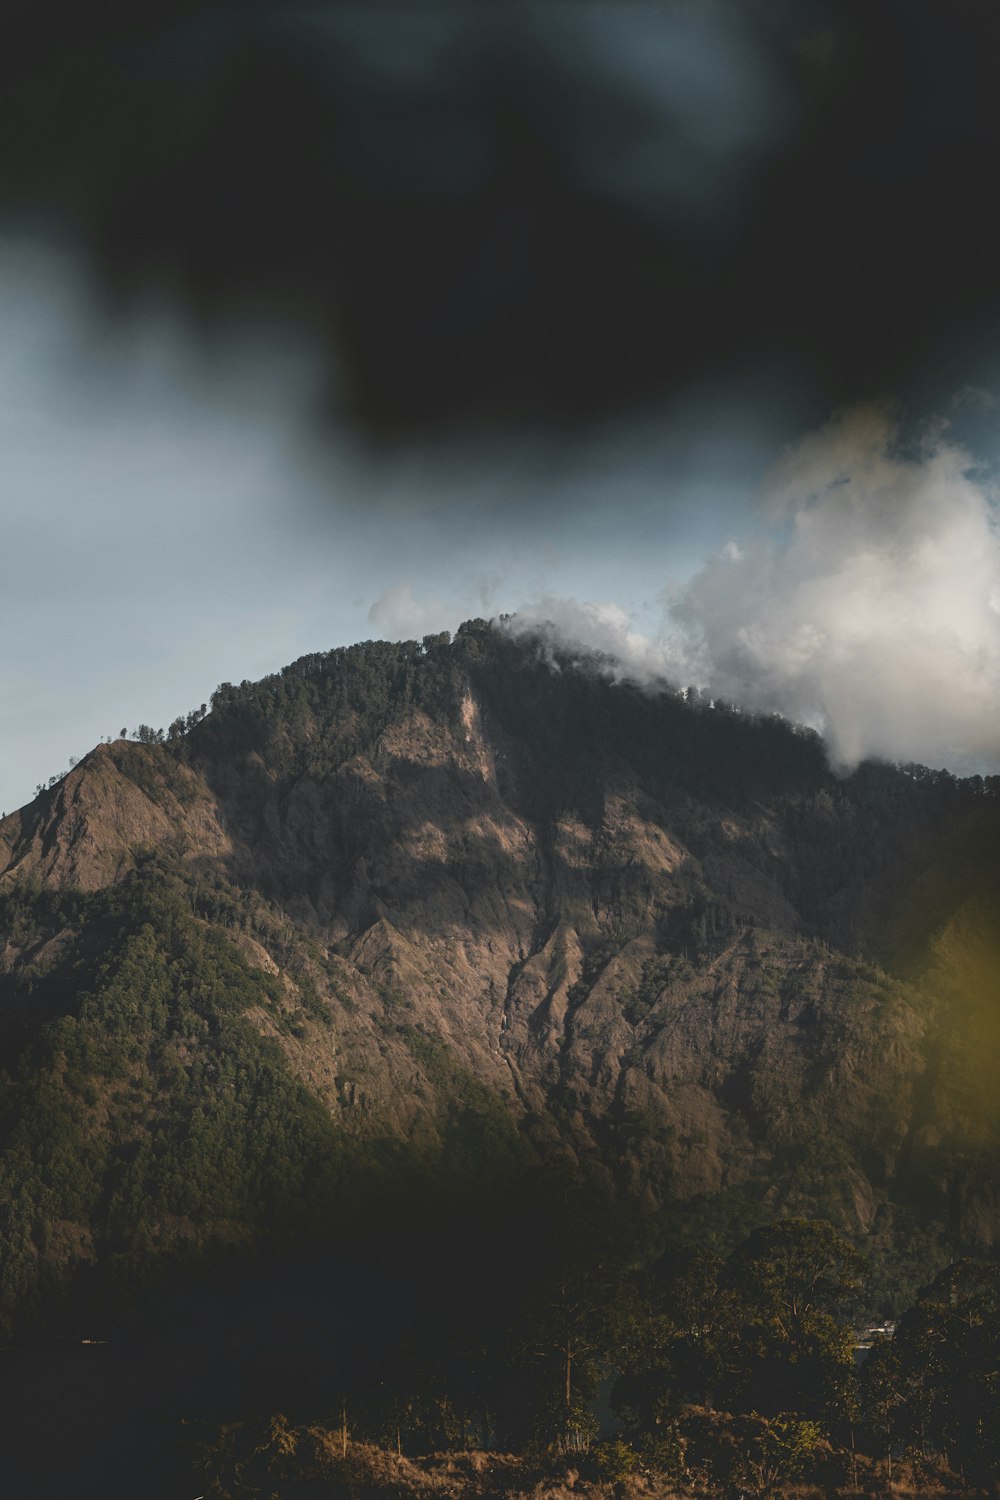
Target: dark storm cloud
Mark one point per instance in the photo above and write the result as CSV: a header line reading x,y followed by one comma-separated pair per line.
x,y
534,214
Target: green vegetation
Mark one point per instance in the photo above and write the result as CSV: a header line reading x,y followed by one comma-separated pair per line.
x,y
150,1116
697,1345
569,726
146,1122
936,1384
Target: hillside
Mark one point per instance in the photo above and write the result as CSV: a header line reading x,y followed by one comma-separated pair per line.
x,y
428,922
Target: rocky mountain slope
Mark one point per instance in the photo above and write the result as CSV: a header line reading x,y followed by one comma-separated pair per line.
x,y
450,913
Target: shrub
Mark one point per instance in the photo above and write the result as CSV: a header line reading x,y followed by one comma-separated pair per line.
x,y
616,1459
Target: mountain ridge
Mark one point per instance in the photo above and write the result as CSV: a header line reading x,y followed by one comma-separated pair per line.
x,y
482,906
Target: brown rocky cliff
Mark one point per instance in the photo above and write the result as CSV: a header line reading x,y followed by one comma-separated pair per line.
x,y
86,831
648,979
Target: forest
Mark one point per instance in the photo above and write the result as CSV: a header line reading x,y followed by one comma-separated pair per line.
x,y
727,1375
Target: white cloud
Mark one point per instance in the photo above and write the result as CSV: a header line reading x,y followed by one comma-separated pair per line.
x,y
872,617
868,611
605,628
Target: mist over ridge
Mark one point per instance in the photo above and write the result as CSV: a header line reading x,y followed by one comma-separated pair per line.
x,y
868,609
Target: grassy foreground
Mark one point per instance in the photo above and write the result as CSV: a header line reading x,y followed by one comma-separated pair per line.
x,y
711,1456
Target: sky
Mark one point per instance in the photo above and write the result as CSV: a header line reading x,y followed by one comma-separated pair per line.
x,y
670,325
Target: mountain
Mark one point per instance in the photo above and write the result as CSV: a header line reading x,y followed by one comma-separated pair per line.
x,y
432,923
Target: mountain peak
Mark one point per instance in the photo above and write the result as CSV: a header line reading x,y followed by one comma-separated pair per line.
x,y
452,887
121,798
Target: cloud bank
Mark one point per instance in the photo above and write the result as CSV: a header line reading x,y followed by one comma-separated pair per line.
x,y
868,608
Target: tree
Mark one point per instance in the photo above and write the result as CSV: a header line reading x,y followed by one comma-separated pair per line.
x,y
570,1324
791,1280
945,1360
567,1314
779,1453
668,1337
884,1393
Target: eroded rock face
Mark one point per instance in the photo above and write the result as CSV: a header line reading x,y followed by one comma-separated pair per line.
x,y
680,988
122,798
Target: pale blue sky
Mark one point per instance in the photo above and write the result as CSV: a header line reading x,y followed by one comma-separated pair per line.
x,y
172,517
527,217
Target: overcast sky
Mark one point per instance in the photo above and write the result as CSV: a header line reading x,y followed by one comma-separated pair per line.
x,y
673,322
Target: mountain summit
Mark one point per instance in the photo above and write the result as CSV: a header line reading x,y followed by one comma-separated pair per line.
x,y
423,919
